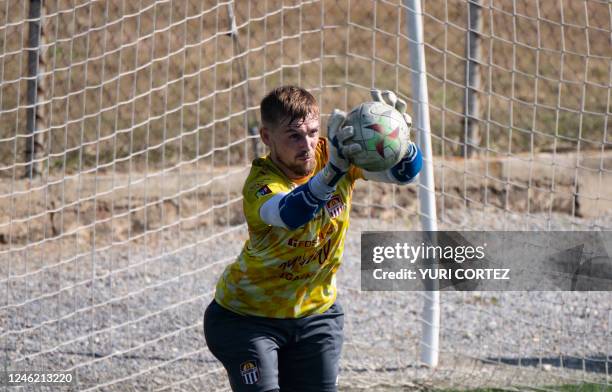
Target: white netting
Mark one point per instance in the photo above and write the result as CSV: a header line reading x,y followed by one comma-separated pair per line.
x,y
144,133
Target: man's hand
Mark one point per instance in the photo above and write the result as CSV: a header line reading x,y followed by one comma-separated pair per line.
x,y
406,170
389,98
341,149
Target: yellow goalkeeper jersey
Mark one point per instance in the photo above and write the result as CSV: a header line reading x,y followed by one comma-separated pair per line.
x,y
282,273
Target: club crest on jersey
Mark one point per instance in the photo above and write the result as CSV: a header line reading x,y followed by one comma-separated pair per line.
x,y
264,190
334,206
249,372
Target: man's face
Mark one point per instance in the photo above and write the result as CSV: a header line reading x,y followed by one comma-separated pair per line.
x,y
292,145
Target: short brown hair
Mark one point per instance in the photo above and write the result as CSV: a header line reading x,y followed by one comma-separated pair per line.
x,y
287,102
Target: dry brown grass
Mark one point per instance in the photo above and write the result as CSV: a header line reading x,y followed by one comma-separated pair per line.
x,y
139,83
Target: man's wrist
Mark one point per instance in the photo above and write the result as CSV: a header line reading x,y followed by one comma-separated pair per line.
x,y
323,184
331,174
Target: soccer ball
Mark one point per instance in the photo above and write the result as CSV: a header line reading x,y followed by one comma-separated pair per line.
x,y
382,133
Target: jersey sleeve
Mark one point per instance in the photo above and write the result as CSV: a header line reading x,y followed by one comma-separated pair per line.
x,y
257,190
355,173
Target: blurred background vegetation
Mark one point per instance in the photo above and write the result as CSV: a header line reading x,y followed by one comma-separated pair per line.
x,y
132,85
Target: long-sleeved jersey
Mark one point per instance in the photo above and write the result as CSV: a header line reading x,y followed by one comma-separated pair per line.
x,y
284,273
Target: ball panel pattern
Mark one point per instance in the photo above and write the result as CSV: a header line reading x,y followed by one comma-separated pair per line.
x,y
382,133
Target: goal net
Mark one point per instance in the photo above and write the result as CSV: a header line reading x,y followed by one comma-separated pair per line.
x,y
128,127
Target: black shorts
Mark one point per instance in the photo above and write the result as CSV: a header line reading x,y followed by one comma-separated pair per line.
x,y
262,354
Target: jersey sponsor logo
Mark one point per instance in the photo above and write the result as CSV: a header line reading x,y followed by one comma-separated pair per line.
x,y
249,372
296,243
334,206
264,190
290,276
321,255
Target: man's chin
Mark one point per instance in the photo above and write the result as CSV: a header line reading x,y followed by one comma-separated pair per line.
x,y
303,170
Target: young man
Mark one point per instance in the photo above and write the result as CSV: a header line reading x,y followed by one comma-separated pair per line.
x,y
274,322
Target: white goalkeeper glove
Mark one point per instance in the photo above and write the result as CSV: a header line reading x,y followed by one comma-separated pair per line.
x,y
340,148
388,97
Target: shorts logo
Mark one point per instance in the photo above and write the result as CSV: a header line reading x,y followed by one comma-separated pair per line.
x,y
249,372
334,206
264,190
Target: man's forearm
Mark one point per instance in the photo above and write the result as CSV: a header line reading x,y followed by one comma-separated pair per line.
x,y
298,207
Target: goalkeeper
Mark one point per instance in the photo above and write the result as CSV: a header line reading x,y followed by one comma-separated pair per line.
x,y
275,323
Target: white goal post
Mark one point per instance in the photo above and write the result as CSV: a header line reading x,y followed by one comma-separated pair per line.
x,y
127,128
427,194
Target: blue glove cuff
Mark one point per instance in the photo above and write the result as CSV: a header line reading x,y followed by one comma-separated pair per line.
x,y
409,166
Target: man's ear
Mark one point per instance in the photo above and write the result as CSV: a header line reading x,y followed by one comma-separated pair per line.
x,y
264,133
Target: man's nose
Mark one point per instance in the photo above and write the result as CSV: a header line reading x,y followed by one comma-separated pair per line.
x,y
304,142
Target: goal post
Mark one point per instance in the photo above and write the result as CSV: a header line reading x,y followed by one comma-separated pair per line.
x,y
427,194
